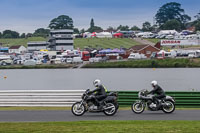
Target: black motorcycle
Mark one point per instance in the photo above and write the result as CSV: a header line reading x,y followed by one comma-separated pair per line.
x,y
89,103
167,103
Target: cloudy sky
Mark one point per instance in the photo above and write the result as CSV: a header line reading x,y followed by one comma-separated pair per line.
x,y
27,15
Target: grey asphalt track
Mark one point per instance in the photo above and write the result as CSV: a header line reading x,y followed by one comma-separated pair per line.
x,y
41,116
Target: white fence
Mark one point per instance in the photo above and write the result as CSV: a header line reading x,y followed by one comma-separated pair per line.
x,y
47,98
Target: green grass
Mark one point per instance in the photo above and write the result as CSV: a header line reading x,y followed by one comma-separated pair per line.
x,y
79,42
104,42
165,63
20,41
154,40
102,126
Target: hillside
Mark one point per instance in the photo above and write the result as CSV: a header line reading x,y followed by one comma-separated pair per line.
x,y
104,42
20,41
79,42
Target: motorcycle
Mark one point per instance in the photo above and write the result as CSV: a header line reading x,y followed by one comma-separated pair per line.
x,y
88,103
167,103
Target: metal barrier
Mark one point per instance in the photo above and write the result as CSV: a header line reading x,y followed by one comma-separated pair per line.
x,y
51,98
183,99
62,98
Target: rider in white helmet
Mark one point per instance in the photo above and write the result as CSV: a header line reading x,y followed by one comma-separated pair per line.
x,y
100,92
158,91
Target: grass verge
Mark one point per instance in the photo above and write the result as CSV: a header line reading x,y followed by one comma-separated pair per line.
x,y
103,126
59,66
166,63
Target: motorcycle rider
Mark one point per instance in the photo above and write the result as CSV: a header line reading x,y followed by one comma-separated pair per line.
x,y
100,93
159,93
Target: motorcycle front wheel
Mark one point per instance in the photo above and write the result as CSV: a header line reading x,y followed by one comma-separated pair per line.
x,y
138,107
110,109
169,107
78,109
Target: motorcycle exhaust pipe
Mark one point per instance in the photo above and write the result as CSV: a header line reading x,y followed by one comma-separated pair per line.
x,y
109,107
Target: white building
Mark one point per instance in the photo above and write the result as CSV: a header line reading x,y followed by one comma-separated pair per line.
x,y
58,40
36,46
18,49
61,39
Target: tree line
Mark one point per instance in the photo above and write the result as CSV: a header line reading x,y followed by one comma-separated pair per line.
x,y
170,16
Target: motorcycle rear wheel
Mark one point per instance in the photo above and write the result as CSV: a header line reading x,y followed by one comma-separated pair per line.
x,y
110,112
170,108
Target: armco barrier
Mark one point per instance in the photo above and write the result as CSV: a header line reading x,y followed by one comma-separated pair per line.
x,y
62,98
183,99
51,98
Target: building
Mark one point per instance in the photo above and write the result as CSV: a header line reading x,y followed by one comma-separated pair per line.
x,y
36,46
147,50
18,49
61,40
58,40
4,49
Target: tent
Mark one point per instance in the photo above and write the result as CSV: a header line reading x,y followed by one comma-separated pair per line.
x,y
105,51
118,35
118,51
108,51
167,32
104,35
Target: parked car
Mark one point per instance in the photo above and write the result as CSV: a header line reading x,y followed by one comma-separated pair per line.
x,y
69,60
77,60
6,62
99,58
94,59
135,56
30,63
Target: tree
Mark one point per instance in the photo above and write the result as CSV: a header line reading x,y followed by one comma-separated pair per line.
x,y
123,28
197,16
146,26
82,31
172,25
135,28
197,26
0,34
10,34
95,29
23,35
170,11
41,32
92,23
29,35
76,31
61,22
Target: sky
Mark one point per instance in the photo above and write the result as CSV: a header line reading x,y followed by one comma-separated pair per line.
x,y
25,16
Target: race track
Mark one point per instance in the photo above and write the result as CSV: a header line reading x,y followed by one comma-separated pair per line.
x,y
41,116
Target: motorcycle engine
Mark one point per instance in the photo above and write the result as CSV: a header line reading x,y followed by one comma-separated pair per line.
x,y
152,105
91,106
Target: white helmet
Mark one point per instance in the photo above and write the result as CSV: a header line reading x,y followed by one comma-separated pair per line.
x,y
154,83
97,82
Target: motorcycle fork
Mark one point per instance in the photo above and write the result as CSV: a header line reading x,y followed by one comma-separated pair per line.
x,y
80,104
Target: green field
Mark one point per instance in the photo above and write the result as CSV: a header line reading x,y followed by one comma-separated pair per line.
x,y
20,41
104,43
102,127
79,42
153,40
